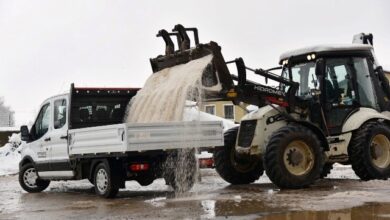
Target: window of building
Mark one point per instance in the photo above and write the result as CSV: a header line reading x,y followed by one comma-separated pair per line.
x,y
210,109
228,111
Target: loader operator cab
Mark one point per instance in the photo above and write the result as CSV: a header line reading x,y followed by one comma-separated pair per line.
x,y
342,76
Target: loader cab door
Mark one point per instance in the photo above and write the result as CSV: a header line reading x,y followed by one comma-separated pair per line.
x,y
346,86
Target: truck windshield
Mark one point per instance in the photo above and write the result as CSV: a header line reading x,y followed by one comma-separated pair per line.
x,y
304,74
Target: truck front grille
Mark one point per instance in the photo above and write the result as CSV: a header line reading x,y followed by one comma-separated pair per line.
x,y
246,133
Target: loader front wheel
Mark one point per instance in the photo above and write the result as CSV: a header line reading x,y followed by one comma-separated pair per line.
x,y
294,157
233,169
369,151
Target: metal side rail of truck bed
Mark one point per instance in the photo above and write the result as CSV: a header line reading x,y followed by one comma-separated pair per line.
x,y
121,138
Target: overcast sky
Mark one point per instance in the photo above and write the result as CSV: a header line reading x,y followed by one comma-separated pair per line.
x,y
46,45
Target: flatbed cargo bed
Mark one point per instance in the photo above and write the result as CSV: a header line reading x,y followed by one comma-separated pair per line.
x,y
121,138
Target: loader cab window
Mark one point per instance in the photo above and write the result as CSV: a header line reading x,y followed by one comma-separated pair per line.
x,y
364,83
338,82
304,74
41,125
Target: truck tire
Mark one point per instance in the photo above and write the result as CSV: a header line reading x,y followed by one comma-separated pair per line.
x,y
29,180
326,170
294,157
105,185
234,170
369,151
181,170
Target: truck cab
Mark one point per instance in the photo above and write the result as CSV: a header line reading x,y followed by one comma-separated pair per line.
x,y
47,141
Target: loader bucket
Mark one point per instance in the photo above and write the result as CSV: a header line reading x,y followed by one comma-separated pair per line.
x,y
215,75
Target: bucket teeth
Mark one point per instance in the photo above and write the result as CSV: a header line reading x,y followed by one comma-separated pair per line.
x,y
169,46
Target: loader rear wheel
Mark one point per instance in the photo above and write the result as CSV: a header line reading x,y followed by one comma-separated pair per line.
x,y
294,157
369,151
233,169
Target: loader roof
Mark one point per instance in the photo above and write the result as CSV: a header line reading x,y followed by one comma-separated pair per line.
x,y
325,48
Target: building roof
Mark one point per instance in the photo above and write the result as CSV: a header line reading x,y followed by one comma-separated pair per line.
x,y
324,48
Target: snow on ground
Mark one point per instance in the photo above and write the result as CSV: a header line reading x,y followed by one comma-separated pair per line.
x,y
9,129
10,156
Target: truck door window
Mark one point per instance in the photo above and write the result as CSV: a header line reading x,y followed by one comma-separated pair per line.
x,y
59,113
42,124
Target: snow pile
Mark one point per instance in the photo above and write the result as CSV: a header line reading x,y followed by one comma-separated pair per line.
x,y
192,113
10,155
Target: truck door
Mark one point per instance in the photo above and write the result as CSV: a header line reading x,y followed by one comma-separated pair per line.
x,y
340,95
59,158
40,142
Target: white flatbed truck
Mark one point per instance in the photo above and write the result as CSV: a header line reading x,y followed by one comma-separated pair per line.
x,y
81,135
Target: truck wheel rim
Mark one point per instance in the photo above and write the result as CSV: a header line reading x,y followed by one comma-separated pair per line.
x,y
298,158
102,180
380,151
30,177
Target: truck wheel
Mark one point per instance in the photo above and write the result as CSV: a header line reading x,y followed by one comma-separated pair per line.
x,y
104,184
294,157
326,170
181,170
233,169
369,151
29,180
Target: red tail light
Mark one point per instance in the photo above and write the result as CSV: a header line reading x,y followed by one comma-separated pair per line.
x,y
206,163
139,167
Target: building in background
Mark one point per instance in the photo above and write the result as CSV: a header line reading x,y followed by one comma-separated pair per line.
x,y
225,109
387,73
6,115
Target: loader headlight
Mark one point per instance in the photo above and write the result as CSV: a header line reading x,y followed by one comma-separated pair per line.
x,y
231,94
311,56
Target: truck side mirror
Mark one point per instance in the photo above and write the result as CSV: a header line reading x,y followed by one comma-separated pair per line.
x,y
378,70
24,133
320,66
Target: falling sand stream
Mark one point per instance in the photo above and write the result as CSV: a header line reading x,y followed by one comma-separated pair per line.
x,y
163,99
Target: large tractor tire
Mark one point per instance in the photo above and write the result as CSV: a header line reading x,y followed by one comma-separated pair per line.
x,y
369,151
294,157
233,169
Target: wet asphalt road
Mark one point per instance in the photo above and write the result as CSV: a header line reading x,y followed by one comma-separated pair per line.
x,y
340,197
